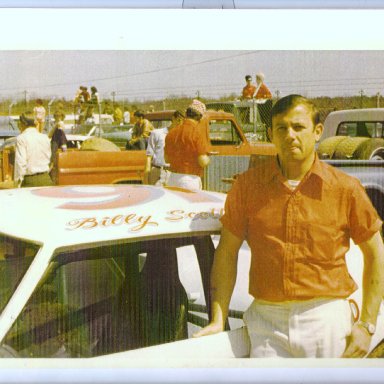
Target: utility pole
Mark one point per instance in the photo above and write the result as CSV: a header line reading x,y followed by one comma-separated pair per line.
x,y
25,98
378,99
198,95
361,92
277,93
113,93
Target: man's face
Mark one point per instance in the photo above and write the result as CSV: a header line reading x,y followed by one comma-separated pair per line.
x,y
294,134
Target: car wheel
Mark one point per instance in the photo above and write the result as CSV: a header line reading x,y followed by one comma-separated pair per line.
x,y
326,148
372,149
348,147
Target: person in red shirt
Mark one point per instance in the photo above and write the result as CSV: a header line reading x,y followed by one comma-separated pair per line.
x,y
186,149
261,91
298,215
249,89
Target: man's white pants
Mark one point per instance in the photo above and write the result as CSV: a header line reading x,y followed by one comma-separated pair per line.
x,y
182,180
311,328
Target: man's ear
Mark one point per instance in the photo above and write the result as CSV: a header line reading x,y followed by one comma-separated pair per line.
x,y
319,128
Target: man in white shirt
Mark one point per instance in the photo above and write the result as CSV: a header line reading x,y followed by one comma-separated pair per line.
x,y
156,168
33,155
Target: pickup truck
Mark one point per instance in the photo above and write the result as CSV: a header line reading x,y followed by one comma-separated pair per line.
x,y
353,134
94,167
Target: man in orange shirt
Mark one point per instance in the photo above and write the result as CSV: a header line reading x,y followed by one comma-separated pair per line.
x,y
261,91
298,215
186,149
249,89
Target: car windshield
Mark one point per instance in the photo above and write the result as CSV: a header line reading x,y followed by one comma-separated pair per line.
x,y
83,129
107,299
15,258
163,123
116,128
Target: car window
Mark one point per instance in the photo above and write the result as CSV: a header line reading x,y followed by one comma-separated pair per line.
x,y
223,132
164,123
15,258
108,299
83,129
360,129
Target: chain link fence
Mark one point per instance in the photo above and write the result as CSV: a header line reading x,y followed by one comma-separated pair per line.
x,y
253,116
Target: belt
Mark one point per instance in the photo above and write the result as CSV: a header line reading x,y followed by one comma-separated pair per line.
x,y
165,167
37,174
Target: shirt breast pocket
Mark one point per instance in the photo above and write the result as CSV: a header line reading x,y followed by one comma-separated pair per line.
x,y
322,241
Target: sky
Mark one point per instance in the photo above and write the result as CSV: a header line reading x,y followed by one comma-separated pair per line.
x,y
144,75
151,55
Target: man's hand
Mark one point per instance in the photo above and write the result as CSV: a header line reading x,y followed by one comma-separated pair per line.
x,y
359,342
210,329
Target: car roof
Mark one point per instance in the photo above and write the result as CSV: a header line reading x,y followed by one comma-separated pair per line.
x,y
65,216
332,121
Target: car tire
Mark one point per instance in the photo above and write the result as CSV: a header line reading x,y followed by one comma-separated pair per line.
x,y
327,147
347,148
372,149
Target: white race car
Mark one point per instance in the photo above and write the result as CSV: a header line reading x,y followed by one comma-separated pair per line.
x,y
106,272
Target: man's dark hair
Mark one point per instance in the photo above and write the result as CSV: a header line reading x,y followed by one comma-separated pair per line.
x,y
27,119
291,101
193,114
139,114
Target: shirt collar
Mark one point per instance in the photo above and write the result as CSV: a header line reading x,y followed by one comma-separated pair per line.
x,y
271,170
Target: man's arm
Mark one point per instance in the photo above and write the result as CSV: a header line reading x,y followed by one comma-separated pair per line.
x,y
223,279
373,289
20,162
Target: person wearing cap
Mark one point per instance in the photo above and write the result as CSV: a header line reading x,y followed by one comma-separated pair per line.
x,y
249,89
32,154
186,149
156,169
261,91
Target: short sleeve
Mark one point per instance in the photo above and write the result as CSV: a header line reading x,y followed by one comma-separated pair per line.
x,y
235,212
202,143
363,217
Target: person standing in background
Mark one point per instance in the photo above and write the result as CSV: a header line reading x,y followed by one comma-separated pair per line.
x,y
156,169
58,142
249,89
186,149
39,115
117,114
32,154
262,91
94,98
126,116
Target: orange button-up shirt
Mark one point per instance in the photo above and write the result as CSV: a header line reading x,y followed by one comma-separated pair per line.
x,y
299,238
263,92
184,144
248,91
